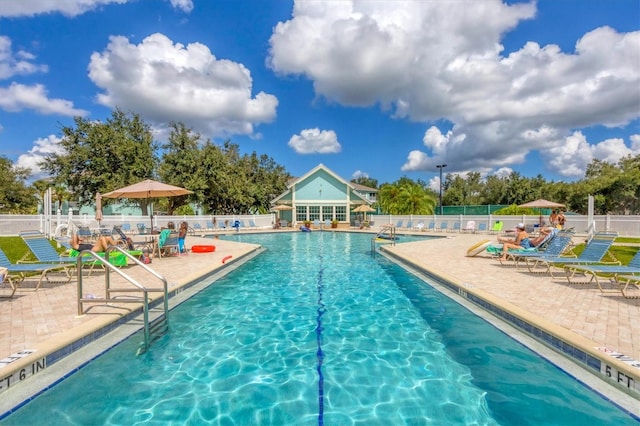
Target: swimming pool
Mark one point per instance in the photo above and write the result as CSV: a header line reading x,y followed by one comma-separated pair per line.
x,y
317,331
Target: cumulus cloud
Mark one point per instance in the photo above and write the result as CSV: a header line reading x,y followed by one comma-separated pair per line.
x,y
315,141
17,97
428,61
572,156
41,148
65,7
184,5
359,174
18,63
166,81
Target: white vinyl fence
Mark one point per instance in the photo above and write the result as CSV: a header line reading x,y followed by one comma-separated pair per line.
x,y
13,224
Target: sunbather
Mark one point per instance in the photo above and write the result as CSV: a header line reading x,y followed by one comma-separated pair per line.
x,y
100,245
522,240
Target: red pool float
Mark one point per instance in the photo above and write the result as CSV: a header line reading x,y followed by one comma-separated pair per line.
x,y
203,249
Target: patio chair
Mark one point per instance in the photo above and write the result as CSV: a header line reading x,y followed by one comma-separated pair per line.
x,y
126,228
593,253
252,224
632,268
142,228
42,249
456,227
18,272
420,226
166,244
556,244
197,227
443,226
432,226
409,225
482,227
469,227
399,224
497,227
624,281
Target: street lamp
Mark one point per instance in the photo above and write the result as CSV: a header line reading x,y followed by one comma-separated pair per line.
x,y
441,166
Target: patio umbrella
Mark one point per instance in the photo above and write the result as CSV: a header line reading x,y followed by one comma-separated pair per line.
x,y
364,209
99,208
279,208
148,189
541,204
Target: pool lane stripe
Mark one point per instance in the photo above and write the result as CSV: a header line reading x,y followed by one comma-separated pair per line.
x,y
320,353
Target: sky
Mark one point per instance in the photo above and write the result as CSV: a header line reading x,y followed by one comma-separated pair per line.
x,y
374,88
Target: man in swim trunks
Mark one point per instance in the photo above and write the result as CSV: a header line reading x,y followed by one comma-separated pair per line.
x,y
101,244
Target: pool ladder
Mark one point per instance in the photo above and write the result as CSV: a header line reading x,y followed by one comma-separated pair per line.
x,y
389,231
160,322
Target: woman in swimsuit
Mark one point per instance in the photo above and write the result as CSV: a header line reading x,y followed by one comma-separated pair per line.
x,y
101,244
521,241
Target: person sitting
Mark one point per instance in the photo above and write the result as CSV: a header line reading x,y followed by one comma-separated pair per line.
x,y
100,245
521,241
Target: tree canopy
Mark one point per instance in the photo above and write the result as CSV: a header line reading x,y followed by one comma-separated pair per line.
x,y
16,196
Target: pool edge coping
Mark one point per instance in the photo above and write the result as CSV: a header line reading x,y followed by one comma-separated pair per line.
x,y
507,312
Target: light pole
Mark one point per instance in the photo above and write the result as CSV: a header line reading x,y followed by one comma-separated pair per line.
x,y
441,166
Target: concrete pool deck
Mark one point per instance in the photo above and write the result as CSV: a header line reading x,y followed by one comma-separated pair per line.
x,y
598,323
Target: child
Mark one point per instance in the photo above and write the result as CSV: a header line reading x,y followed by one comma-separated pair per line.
x,y
146,258
182,235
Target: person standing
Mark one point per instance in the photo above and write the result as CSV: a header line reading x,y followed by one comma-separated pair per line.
x,y
182,235
553,218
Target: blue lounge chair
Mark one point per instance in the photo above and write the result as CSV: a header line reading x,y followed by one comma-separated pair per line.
x,y
19,272
593,253
555,244
399,224
42,249
482,227
409,225
443,226
252,224
633,268
432,226
456,227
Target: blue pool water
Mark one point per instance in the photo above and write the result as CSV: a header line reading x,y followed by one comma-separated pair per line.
x,y
316,331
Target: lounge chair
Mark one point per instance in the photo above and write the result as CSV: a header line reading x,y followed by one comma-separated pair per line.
x,y
42,249
633,268
482,227
399,224
17,273
420,226
593,253
555,244
252,224
432,226
409,226
126,228
470,227
497,227
624,281
327,223
197,227
443,226
456,227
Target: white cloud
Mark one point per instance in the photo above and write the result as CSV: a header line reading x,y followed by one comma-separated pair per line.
x,y
17,97
41,148
427,61
184,5
571,157
314,141
11,8
167,82
16,64
359,174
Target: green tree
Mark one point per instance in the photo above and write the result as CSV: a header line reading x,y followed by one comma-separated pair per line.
x,y
406,197
366,181
100,157
180,165
15,196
